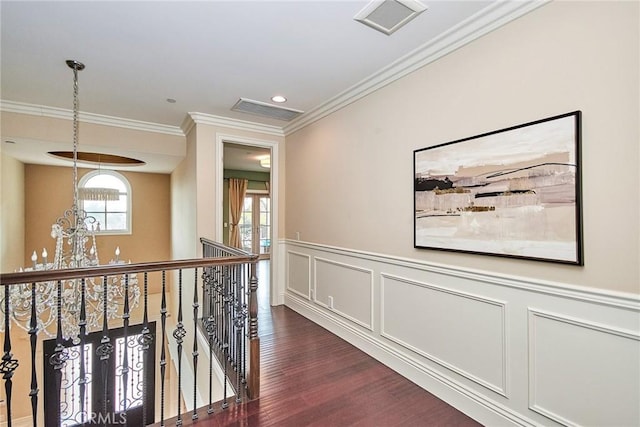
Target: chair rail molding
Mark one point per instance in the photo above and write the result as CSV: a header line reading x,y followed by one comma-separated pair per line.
x,y
503,349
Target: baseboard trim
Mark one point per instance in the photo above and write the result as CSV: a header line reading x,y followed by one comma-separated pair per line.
x,y
476,406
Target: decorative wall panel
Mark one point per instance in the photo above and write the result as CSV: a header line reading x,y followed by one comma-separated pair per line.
x,y
346,289
462,332
582,373
299,273
505,350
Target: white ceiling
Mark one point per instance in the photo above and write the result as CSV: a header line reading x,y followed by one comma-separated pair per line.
x,y
204,54
244,157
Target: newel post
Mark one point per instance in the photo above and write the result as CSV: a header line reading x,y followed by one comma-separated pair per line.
x,y
254,340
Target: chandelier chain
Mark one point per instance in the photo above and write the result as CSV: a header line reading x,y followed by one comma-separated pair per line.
x,y
71,305
76,108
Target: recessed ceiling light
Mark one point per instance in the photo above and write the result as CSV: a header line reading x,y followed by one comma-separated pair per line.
x,y
279,98
171,100
265,162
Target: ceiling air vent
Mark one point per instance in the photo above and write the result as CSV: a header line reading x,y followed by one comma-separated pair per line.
x,y
388,16
267,110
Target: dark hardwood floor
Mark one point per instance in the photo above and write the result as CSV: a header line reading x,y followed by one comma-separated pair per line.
x,y
310,377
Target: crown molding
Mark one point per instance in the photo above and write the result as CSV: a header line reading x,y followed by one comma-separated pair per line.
x,y
187,124
98,119
208,119
486,20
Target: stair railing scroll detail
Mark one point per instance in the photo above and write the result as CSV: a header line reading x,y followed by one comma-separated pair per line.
x,y
229,318
226,315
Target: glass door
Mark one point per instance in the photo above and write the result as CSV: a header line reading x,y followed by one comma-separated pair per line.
x,y
255,225
101,377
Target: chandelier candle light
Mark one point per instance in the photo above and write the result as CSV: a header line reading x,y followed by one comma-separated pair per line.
x,y
76,229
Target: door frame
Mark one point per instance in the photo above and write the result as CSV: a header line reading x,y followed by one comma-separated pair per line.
x,y
276,291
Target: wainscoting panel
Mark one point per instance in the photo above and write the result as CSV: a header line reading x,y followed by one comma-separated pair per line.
x,y
505,350
299,274
459,331
346,289
582,373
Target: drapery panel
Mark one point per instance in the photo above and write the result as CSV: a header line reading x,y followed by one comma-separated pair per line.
x,y
237,191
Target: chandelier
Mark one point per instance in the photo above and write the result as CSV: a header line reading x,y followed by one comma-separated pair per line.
x,y
75,247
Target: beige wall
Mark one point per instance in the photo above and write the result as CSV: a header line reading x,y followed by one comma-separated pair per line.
x,y
11,213
49,192
183,205
349,176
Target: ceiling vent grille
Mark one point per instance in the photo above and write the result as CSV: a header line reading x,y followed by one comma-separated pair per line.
x,y
388,16
267,110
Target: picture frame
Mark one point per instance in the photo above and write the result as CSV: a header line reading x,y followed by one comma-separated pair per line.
x,y
513,192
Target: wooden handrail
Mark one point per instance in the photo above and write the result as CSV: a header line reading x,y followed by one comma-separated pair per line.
x,y
231,322
117,269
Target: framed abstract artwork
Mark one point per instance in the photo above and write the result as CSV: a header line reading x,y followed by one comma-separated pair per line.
x,y
514,192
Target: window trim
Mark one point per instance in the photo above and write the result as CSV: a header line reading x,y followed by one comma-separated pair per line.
x,y
86,177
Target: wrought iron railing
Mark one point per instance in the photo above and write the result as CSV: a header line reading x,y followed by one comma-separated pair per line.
x,y
229,299
83,362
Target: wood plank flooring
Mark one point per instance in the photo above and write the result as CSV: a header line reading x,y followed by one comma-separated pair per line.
x,y
310,377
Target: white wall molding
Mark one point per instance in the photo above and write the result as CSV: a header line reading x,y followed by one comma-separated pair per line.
x,y
574,292
307,271
488,19
564,372
501,387
279,274
504,350
97,119
488,411
319,260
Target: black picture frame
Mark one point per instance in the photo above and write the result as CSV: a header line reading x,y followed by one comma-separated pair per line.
x,y
513,192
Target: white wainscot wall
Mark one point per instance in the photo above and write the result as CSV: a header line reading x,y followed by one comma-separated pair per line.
x,y
504,350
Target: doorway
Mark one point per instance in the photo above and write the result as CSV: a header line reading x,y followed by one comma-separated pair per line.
x,y
255,225
236,153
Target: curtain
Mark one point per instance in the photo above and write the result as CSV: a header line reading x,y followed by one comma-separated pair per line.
x,y
237,190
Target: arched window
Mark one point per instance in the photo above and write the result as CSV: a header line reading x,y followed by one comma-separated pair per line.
x,y
113,216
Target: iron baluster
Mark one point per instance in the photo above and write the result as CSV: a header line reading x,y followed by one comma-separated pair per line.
x,y
59,357
179,334
125,355
238,329
209,324
225,343
33,338
83,341
210,327
145,340
194,416
9,364
103,351
163,359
